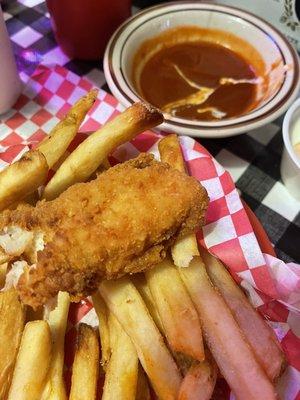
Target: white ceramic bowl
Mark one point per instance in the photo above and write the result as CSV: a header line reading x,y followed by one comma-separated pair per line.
x,y
273,47
290,163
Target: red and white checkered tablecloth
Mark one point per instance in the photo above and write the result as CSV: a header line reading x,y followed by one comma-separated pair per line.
x,y
273,286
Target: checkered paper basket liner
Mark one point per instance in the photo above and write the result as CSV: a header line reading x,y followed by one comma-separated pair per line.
x,y
273,286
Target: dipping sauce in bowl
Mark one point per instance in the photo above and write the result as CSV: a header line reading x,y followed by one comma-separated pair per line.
x,y
214,71
199,74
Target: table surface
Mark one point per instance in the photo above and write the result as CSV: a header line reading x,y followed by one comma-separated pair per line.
x,y
253,159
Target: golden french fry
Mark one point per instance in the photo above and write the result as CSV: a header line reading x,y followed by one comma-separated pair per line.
x,y
260,335
102,314
142,286
87,157
32,362
170,152
86,365
177,312
22,178
142,389
3,268
57,319
12,320
125,302
199,382
122,370
56,143
226,342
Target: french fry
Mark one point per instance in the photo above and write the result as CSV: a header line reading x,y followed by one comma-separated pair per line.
x,y
231,351
122,371
32,362
3,268
142,389
224,338
57,319
140,283
102,314
199,382
124,301
190,386
22,178
260,336
170,152
86,365
177,312
87,157
56,143
12,320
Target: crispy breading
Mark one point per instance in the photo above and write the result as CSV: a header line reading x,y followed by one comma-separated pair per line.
x,y
122,222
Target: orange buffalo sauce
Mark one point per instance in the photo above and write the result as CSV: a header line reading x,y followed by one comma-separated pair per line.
x,y
199,74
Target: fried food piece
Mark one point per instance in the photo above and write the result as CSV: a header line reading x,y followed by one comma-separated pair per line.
x,y
32,362
122,371
86,365
139,281
22,178
93,151
125,302
12,317
57,319
122,222
103,314
184,334
56,143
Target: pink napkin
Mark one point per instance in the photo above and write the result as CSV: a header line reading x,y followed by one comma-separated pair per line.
x,y
273,286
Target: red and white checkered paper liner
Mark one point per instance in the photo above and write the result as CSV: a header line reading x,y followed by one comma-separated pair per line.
x,y
273,286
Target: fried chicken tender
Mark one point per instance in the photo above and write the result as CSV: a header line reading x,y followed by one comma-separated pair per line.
x,y
122,222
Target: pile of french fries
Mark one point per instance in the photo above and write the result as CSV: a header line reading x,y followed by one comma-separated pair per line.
x,y
172,330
